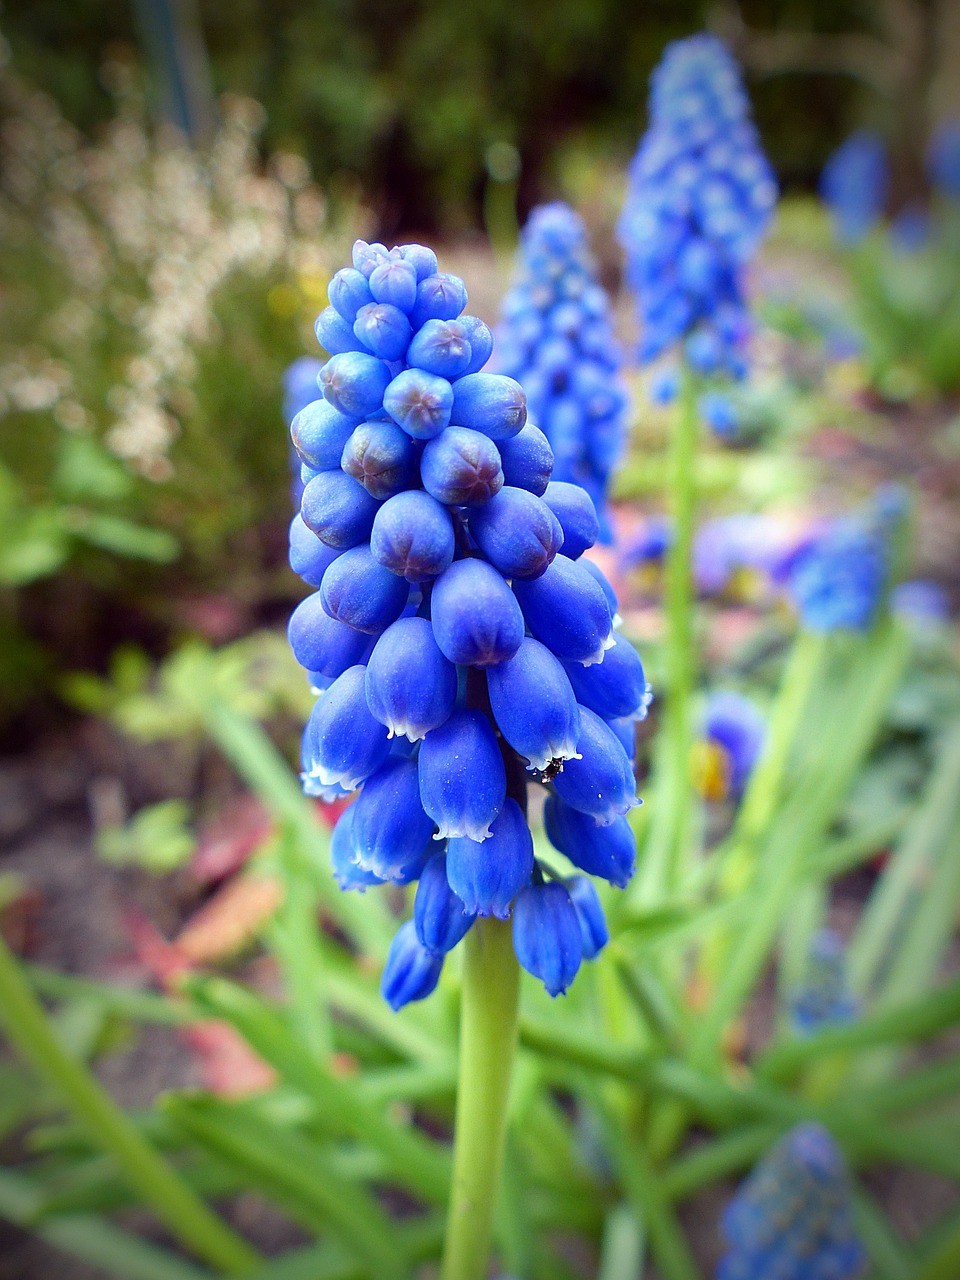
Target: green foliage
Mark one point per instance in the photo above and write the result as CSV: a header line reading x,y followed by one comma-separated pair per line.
x,y
157,838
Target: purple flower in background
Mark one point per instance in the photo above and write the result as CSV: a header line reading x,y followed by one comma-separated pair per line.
x,y
726,547
854,185
823,998
732,735
920,600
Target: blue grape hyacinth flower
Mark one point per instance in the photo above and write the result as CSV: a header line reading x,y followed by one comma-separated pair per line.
x,y
464,648
792,1218
854,185
836,580
732,736
823,998
557,340
700,196
943,159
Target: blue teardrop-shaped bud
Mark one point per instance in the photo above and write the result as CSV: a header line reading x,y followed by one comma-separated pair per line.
x,y
476,619
360,592
338,509
319,433
422,259
461,468
600,782
385,332
487,876
410,686
534,705
440,917
346,872
463,783
419,402
546,935
481,342
527,460
348,292
395,282
390,828
609,852
566,610
439,297
335,334
625,731
309,557
574,508
441,347
382,458
517,532
600,577
354,383
616,687
490,403
346,743
594,934
411,972
413,536
322,644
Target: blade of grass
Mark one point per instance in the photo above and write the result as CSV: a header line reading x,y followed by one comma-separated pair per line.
x,y
889,1256
623,1246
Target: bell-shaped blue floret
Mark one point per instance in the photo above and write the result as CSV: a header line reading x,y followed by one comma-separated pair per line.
x,y
527,460
534,706
395,282
384,331
411,972
335,334
322,644
517,532
616,687
410,686
338,509
609,852
390,828
487,876
419,402
354,383
309,557
348,291
343,743
567,611
441,347
481,342
363,594
440,917
546,935
441,296
574,509
461,468
413,536
476,619
346,872
599,576
382,458
594,934
600,782
319,433
491,403
462,779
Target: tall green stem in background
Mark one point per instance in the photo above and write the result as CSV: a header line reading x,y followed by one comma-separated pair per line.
x,y
488,1038
159,1186
671,819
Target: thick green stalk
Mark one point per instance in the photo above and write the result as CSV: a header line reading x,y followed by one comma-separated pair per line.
x,y
488,1037
158,1185
670,821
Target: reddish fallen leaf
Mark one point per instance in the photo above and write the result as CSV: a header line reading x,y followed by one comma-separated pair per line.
x,y
226,844
230,919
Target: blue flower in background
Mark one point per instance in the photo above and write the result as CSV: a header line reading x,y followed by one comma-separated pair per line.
x,y
854,185
792,1218
721,415
300,388
733,732
451,617
943,159
557,340
729,547
823,998
910,230
700,196
836,579
920,600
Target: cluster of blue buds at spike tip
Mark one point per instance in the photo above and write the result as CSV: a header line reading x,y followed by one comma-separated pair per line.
x,y
557,340
823,998
854,185
460,646
700,196
792,1219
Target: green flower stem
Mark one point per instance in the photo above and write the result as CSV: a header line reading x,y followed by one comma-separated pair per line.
x,y
670,823
159,1186
488,1037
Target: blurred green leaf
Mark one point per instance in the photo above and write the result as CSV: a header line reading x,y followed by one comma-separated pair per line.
x,y
158,838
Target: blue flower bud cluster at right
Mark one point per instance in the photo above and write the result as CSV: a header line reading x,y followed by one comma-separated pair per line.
x,y
700,196
459,645
792,1219
557,340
